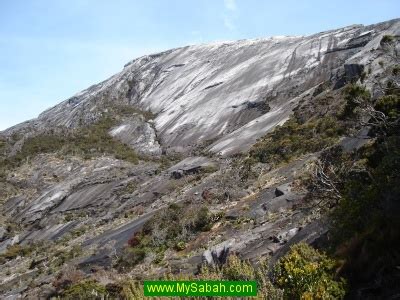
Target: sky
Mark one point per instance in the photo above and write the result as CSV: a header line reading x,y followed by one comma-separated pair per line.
x,y
50,50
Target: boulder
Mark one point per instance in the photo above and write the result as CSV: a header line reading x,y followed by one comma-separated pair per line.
x,y
190,166
283,189
177,174
218,255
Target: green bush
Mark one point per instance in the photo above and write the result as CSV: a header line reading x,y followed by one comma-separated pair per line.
x,y
85,290
387,39
237,269
390,106
178,224
203,220
44,143
171,228
294,139
305,273
367,200
130,258
180,246
353,94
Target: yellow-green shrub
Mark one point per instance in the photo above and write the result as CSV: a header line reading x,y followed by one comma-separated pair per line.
x,y
234,269
306,273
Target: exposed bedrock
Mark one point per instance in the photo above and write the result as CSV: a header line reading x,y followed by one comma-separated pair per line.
x,y
202,92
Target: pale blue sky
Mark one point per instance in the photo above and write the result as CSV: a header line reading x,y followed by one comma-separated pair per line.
x,y
51,49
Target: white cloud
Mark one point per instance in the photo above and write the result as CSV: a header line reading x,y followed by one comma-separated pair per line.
x,y
230,5
230,14
228,23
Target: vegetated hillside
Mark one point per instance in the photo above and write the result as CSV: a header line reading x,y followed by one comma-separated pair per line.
x,y
273,159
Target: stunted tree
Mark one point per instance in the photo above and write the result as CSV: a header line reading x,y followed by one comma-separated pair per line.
x,y
326,180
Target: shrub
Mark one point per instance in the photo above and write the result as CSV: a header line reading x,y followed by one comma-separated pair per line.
x,y
170,228
132,290
390,106
353,94
369,201
396,70
305,273
203,221
127,110
387,39
135,240
68,277
3,146
180,246
209,169
44,143
294,139
85,290
115,290
178,223
16,250
63,256
130,258
364,223
236,269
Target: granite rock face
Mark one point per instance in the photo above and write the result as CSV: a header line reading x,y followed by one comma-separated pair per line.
x,y
138,134
202,92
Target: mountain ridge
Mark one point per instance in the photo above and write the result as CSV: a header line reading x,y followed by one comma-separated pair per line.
x,y
198,77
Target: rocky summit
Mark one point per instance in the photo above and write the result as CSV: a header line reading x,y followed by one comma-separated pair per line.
x,y
195,160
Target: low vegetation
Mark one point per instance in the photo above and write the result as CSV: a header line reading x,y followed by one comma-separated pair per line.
x,y
13,251
294,139
367,215
354,94
171,228
305,273
128,110
364,185
387,39
74,285
87,142
88,289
